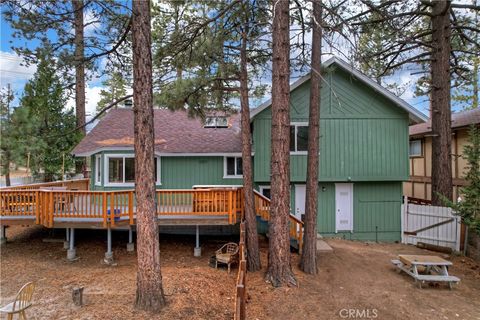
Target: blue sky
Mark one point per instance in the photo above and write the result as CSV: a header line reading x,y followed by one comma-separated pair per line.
x,y
12,72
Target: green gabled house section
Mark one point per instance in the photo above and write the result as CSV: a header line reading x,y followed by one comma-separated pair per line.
x,y
363,152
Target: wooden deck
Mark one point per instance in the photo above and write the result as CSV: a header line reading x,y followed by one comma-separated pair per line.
x,y
73,208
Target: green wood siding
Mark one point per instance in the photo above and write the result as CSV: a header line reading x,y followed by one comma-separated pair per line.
x,y
376,211
179,172
363,136
184,172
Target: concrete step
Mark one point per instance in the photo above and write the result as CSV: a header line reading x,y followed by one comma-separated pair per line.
x,y
323,247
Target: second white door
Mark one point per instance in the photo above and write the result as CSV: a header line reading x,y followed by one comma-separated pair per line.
x,y
299,200
344,206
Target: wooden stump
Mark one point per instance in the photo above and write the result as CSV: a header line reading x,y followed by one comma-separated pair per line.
x,y
77,296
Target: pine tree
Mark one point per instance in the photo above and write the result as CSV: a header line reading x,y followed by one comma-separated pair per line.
x,y
115,88
6,141
427,33
279,269
108,27
41,121
149,294
309,255
215,60
469,206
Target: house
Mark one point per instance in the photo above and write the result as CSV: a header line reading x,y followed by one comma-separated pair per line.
x,y
363,152
420,155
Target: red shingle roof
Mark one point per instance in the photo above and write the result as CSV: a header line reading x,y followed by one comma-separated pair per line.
x,y
459,119
175,132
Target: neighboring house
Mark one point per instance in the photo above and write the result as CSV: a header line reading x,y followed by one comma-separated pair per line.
x,y
419,183
363,152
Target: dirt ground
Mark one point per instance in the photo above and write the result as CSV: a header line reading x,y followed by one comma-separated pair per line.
x,y
356,276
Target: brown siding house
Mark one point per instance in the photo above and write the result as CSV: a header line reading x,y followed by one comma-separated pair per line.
x,y
419,184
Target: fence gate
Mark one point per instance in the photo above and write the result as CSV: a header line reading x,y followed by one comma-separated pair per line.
x,y
430,224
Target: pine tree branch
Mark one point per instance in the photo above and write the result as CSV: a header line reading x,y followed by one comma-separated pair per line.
x,y
465,6
116,46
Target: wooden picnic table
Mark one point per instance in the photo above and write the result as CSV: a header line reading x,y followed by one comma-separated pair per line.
x,y
435,269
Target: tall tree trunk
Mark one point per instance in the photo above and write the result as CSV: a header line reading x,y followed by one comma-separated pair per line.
x,y
79,66
309,254
253,254
79,73
279,270
476,64
149,295
441,113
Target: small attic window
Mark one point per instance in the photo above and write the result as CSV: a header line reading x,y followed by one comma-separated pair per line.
x,y
216,122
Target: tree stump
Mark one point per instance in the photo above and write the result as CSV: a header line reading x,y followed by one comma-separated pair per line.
x,y
77,296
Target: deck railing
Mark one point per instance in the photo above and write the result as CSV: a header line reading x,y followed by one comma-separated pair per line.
x,y
76,184
115,207
262,208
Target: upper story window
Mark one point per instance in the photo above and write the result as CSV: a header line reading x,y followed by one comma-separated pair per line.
x,y
299,138
121,170
415,149
216,122
233,167
98,169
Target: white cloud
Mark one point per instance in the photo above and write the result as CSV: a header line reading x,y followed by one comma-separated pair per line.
x,y
92,97
13,72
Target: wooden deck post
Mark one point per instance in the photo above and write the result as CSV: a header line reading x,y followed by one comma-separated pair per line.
x,y
104,205
3,235
197,251
71,252
112,208
37,207
51,208
230,207
130,244
109,253
234,209
130,207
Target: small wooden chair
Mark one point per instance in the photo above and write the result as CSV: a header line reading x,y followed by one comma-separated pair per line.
x,y
21,303
227,254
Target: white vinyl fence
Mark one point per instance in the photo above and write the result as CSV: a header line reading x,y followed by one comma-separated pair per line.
x,y
430,224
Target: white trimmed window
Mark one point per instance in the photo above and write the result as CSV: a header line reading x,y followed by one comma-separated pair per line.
x,y
298,138
415,149
216,122
120,170
98,169
232,167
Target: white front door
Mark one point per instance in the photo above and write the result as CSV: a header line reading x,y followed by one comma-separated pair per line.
x,y
343,207
300,200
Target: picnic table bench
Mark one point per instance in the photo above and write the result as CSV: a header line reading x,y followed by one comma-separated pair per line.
x,y
411,264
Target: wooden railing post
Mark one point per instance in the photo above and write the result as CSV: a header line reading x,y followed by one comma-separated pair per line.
x,y
300,240
230,207
37,207
130,206
234,209
104,205
52,208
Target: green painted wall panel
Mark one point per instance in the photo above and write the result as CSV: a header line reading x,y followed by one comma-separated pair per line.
x,y
183,173
376,211
363,136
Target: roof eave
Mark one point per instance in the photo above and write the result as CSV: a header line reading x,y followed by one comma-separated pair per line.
x,y
415,115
